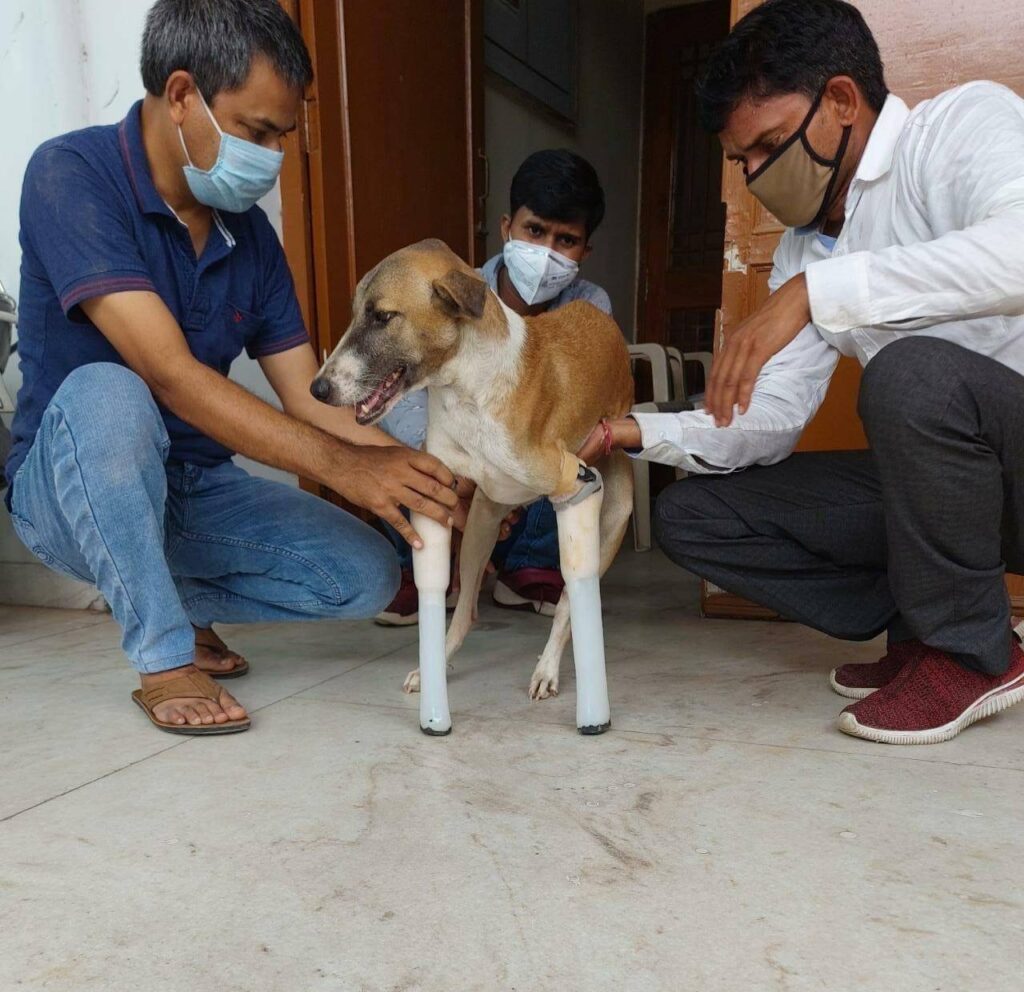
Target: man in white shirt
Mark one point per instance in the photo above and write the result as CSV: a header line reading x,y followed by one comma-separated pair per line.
x,y
905,248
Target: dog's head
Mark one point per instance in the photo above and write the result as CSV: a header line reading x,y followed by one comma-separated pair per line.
x,y
407,318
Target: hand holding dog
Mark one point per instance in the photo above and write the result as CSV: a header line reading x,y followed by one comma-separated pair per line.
x,y
625,433
384,479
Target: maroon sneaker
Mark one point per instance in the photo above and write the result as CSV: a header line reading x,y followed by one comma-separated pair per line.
x,y
858,681
932,699
404,610
537,589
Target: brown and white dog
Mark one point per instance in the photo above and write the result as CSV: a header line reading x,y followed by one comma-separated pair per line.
x,y
510,401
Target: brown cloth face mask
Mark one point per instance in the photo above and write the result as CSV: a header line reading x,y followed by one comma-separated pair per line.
x,y
795,183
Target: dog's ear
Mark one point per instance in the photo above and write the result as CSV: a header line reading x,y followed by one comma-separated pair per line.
x,y
461,293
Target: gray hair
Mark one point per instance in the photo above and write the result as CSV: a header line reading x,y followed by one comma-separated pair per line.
x,y
217,40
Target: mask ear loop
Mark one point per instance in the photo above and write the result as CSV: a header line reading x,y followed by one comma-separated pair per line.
x,y
826,200
213,120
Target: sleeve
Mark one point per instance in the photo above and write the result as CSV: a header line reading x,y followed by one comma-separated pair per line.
x,y
972,164
599,298
283,327
788,392
77,227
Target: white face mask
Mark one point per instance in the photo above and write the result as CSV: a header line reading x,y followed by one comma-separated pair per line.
x,y
537,273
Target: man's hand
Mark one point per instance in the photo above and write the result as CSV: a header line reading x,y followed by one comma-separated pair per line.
x,y
383,479
763,334
625,434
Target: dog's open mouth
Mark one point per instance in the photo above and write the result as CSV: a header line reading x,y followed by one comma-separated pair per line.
x,y
374,406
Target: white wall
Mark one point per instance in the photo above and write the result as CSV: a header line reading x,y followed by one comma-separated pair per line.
x,y
607,133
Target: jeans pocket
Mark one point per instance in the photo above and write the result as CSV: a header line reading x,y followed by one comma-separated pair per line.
x,y
28,536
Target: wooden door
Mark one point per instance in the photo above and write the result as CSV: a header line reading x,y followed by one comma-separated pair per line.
x,y
390,149
682,217
927,47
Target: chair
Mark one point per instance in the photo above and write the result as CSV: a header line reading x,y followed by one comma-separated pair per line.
x,y
669,388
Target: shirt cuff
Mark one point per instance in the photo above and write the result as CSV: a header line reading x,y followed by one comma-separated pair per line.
x,y
656,429
261,349
839,292
103,284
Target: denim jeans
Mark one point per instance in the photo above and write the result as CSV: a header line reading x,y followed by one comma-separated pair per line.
x,y
170,544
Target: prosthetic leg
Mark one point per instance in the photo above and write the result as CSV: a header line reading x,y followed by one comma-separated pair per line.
x,y
431,569
579,549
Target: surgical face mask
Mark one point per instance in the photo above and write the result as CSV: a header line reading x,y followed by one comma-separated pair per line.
x,y
795,183
537,273
242,174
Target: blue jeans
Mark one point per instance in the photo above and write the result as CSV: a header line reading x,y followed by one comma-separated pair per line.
x,y
170,544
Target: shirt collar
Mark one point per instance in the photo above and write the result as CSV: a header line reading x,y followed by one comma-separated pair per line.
x,y
881,147
133,152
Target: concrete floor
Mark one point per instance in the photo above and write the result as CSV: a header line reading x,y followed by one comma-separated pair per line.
x,y
723,837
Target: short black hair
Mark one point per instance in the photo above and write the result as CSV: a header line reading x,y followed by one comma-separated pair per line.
x,y
559,185
790,46
217,40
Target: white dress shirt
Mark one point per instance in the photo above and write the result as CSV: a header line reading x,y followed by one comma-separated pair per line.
x,y
933,243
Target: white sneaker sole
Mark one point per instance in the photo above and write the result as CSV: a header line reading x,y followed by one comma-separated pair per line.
x,y
847,690
991,703
503,596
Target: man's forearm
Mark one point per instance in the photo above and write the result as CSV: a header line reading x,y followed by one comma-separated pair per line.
x,y
231,415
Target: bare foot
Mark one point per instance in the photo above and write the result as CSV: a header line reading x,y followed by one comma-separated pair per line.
x,y
213,656
190,709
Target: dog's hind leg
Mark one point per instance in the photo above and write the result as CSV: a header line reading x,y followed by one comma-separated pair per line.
x,y
616,507
482,527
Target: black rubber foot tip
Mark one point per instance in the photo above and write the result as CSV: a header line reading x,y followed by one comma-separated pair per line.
x,y
599,728
431,732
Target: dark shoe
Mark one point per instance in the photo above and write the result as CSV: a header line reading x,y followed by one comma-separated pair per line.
x,y
404,610
932,699
537,589
858,681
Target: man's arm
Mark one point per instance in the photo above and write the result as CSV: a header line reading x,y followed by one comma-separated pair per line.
x,y
146,335
784,398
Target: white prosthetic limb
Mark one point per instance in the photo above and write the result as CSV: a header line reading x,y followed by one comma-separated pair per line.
x,y
431,567
579,549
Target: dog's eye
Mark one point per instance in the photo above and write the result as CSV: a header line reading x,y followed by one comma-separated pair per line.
x,y
382,317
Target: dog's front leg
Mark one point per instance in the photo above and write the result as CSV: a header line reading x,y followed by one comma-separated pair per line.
x,y
431,568
579,548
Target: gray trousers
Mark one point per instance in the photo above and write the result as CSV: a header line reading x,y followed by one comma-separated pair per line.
x,y
912,537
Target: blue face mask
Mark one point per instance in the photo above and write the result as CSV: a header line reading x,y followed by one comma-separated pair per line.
x,y
242,174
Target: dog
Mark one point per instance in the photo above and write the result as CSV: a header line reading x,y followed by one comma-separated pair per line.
x,y
510,401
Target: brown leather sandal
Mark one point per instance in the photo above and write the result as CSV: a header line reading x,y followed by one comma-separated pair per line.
x,y
190,685
235,673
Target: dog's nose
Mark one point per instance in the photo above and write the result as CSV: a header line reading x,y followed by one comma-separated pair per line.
x,y
321,389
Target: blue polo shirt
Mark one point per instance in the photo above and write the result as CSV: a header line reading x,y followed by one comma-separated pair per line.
x,y
92,223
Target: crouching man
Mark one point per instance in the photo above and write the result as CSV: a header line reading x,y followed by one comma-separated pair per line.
x,y
904,249
147,268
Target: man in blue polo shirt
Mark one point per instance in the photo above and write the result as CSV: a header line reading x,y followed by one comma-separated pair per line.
x,y
147,268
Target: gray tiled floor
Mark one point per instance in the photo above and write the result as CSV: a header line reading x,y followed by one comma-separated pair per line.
x,y
723,837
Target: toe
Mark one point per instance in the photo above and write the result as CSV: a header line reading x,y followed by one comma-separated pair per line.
x,y
232,707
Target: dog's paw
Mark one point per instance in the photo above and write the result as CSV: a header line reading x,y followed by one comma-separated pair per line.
x,y
412,681
543,685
